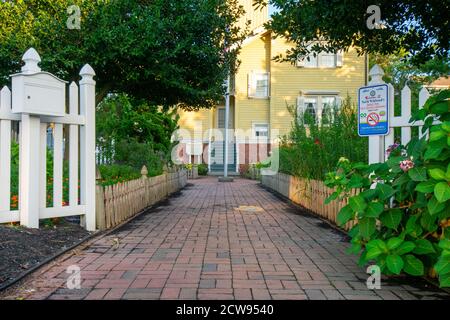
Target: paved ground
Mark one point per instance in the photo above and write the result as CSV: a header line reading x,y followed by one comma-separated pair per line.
x,y
199,245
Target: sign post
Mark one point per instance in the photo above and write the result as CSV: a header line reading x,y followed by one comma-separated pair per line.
x,y
373,110
374,114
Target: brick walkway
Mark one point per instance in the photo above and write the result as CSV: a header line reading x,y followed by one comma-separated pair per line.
x,y
198,245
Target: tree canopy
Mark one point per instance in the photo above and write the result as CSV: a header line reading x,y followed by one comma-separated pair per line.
x,y
417,27
167,52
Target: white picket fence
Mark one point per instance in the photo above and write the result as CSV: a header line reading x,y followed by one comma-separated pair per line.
x,y
379,144
80,120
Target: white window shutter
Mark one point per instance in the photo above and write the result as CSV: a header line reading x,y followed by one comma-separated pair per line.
x,y
300,104
338,101
251,85
340,58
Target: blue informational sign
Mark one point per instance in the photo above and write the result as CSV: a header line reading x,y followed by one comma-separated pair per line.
x,y
373,110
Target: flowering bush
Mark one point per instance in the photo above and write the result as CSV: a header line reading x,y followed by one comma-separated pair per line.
x,y
403,208
312,149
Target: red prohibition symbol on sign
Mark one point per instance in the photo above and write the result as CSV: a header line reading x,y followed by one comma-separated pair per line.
x,y
373,119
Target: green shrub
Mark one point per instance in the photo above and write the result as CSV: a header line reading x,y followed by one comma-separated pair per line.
x,y
403,209
202,169
49,185
133,133
112,174
311,150
135,154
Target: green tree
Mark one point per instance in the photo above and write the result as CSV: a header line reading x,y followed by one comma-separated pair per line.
x,y
418,27
132,132
167,52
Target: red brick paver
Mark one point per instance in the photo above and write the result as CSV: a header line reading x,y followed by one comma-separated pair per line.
x,y
198,245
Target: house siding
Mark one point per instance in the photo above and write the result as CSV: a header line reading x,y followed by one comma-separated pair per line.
x,y
287,81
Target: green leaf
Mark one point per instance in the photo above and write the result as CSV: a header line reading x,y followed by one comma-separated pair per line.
x,y
394,243
344,215
374,209
423,246
440,107
437,174
369,194
444,244
442,266
428,222
436,135
413,266
356,181
446,126
432,152
332,197
405,247
394,263
404,178
444,280
384,191
367,227
393,162
418,174
377,243
373,253
412,227
391,218
354,231
426,186
357,203
434,206
442,191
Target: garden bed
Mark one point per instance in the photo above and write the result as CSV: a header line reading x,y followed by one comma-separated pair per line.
x,y
23,249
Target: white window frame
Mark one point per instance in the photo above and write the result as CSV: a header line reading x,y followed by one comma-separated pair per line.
x,y
303,62
260,138
319,103
252,84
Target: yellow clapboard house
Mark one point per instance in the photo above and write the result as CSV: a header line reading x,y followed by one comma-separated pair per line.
x,y
260,93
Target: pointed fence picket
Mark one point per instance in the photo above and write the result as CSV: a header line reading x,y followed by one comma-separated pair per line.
x,y
119,202
32,138
379,144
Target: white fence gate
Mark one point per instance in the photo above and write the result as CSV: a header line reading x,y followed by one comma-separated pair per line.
x,y
379,144
38,99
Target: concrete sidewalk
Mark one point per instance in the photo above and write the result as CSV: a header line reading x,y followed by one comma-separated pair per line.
x,y
219,241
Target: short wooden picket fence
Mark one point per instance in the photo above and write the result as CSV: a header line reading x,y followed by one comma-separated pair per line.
x,y
310,194
120,202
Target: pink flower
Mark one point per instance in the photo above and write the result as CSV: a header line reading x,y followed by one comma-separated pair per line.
x,y
406,165
391,148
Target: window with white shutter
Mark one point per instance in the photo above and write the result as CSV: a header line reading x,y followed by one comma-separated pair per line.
x,y
317,109
258,84
321,60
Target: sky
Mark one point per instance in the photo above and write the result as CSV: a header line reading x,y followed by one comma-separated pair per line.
x,y
271,9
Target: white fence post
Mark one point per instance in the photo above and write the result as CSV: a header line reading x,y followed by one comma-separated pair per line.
x,y
376,143
423,97
5,151
38,99
73,146
29,168
87,152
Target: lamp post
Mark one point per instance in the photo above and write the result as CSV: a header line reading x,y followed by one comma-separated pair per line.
x,y
227,122
225,177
